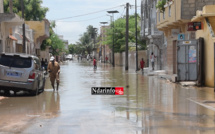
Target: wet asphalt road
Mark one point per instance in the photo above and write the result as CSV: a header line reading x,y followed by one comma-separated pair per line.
x,y
149,106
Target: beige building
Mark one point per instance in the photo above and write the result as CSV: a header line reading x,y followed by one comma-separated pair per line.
x,y
7,22
207,18
41,32
174,21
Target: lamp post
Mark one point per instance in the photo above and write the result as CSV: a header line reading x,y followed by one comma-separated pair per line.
x,y
23,26
112,12
102,32
136,35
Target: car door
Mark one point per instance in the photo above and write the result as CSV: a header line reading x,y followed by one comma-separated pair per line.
x,y
39,72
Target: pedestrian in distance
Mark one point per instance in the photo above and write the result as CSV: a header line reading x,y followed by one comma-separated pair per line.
x,y
152,58
54,71
94,63
42,63
142,64
46,65
106,58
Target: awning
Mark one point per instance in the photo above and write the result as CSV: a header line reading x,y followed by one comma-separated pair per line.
x,y
12,37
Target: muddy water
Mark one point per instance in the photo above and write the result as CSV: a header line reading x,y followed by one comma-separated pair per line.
x,y
149,106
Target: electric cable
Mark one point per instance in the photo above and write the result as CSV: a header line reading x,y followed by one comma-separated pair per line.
x,y
87,13
84,20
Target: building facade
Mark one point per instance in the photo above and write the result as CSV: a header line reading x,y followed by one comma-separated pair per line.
x,y
174,21
149,32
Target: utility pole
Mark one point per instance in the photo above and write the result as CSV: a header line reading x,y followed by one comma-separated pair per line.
x,y
112,12
136,35
11,6
127,36
23,27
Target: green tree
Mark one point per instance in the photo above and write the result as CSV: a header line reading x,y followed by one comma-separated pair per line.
x,y
119,35
57,44
53,41
48,42
72,48
86,41
33,9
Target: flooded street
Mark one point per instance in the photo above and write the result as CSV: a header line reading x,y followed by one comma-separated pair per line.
x,y
150,105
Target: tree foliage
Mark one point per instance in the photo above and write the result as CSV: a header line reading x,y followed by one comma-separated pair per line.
x,y
86,41
33,9
53,41
57,44
120,32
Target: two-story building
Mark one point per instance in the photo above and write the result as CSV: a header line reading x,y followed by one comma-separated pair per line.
x,y
149,32
7,22
41,32
175,22
207,17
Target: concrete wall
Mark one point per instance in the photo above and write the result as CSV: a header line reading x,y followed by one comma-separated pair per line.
x,y
45,54
189,7
39,28
208,45
120,58
209,53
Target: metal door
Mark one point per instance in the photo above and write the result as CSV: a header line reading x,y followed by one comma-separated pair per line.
x,y
187,60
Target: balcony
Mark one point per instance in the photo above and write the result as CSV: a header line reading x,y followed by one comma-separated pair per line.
x,y
11,18
41,31
171,17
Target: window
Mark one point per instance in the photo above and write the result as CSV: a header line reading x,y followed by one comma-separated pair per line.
x,y
15,61
36,64
159,16
164,15
169,11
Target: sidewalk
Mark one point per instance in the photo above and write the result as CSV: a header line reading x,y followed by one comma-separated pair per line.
x,y
208,101
159,73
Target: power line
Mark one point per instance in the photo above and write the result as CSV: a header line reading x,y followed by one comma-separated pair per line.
x,y
88,13
83,20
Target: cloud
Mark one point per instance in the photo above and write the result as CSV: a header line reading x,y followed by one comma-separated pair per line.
x,y
70,31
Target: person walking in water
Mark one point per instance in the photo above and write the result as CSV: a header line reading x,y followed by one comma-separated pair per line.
x,y
94,63
106,58
152,58
142,64
54,71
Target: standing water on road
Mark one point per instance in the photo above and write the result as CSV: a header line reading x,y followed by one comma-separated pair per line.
x,y
149,105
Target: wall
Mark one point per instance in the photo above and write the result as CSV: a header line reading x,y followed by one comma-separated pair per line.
x,y
39,30
120,58
209,53
45,54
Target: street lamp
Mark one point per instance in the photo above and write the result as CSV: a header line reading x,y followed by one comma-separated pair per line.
x,y
23,26
112,12
136,34
102,32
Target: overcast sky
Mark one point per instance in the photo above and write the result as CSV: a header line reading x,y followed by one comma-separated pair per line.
x,y
72,28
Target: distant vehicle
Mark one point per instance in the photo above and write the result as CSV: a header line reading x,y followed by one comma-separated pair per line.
x,y
21,72
69,57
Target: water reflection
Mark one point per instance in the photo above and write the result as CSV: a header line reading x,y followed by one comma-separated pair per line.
x,y
18,110
149,105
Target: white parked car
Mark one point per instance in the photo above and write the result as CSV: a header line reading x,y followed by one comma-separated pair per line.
x,y
69,57
21,72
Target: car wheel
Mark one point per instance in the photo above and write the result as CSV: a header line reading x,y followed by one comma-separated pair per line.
x,y
35,92
44,82
7,92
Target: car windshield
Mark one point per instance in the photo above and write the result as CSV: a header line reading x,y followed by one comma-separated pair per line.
x,y
15,61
